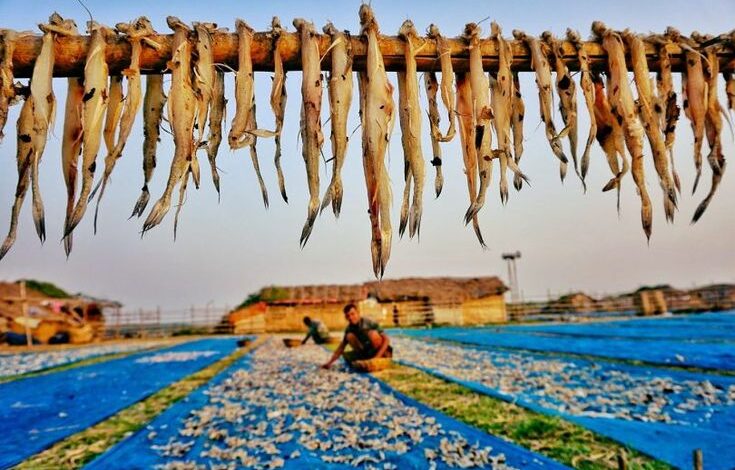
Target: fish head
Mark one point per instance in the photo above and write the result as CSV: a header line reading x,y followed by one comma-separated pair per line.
x,y
176,24
408,30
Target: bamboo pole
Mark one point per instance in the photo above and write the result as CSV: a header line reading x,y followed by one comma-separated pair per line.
x,y
71,52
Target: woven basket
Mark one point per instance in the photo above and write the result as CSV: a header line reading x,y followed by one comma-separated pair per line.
x,y
291,342
372,365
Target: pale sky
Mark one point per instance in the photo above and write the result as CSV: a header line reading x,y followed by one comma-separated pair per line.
x,y
569,240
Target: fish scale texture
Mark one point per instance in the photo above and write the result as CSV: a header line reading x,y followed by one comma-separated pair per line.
x,y
625,403
715,349
276,393
43,410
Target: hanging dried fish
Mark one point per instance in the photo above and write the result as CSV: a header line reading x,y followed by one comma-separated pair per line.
x,y
467,139
254,155
651,120
516,122
432,90
340,99
481,115
24,154
95,104
153,104
377,117
588,89
311,124
540,65
8,95
567,92
667,101
410,120
71,147
216,117
610,136
502,90
694,90
278,98
136,33
244,88
624,109
181,115
713,124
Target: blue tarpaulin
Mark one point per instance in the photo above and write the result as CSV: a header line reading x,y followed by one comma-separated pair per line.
x,y
136,451
709,428
709,355
39,411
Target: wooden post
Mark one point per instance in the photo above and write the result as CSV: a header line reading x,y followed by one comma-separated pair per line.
x,y
24,313
698,460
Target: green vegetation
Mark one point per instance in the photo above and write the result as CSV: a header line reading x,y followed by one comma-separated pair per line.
x,y
551,436
47,288
79,449
250,300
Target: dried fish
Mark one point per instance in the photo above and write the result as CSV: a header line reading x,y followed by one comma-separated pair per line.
x,y
153,104
481,116
181,115
694,90
244,88
519,112
8,95
567,92
311,125
623,107
254,155
204,75
410,120
540,64
278,98
377,117
432,89
340,98
588,89
651,120
467,138
71,147
216,117
713,125
95,104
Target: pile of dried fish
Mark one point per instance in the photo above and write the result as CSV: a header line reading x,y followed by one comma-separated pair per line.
x,y
566,387
282,408
486,108
174,356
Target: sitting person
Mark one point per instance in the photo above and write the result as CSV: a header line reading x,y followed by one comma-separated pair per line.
x,y
365,337
318,331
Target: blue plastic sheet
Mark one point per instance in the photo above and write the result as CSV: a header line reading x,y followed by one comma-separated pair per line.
x,y
43,410
709,428
705,327
135,452
709,355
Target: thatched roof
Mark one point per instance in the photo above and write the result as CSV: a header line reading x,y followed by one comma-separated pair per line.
x,y
436,289
317,294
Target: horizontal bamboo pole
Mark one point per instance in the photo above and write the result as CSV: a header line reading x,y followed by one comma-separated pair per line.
x,y
71,53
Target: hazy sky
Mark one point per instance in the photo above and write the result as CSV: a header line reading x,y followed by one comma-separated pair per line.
x,y
224,251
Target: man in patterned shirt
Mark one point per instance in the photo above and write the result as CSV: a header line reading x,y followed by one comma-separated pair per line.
x,y
365,337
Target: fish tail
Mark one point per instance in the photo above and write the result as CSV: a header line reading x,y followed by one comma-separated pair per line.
x,y
415,220
279,170
215,173
182,197
669,209
310,219
404,208
13,230
328,196
195,170
517,182
68,242
158,212
696,180
97,205
338,191
478,232
438,181
375,252
141,203
256,166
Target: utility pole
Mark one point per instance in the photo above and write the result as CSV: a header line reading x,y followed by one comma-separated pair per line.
x,y
511,258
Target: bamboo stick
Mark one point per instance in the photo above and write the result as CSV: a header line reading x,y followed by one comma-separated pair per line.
x,y
70,53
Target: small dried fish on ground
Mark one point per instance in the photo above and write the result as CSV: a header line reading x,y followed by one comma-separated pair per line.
x,y
24,154
377,118
502,91
481,117
621,102
694,90
181,115
153,104
95,104
588,89
712,124
519,112
136,33
651,120
448,98
567,92
467,141
278,98
311,124
340,98
610,136
667,101
410,120
540,65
